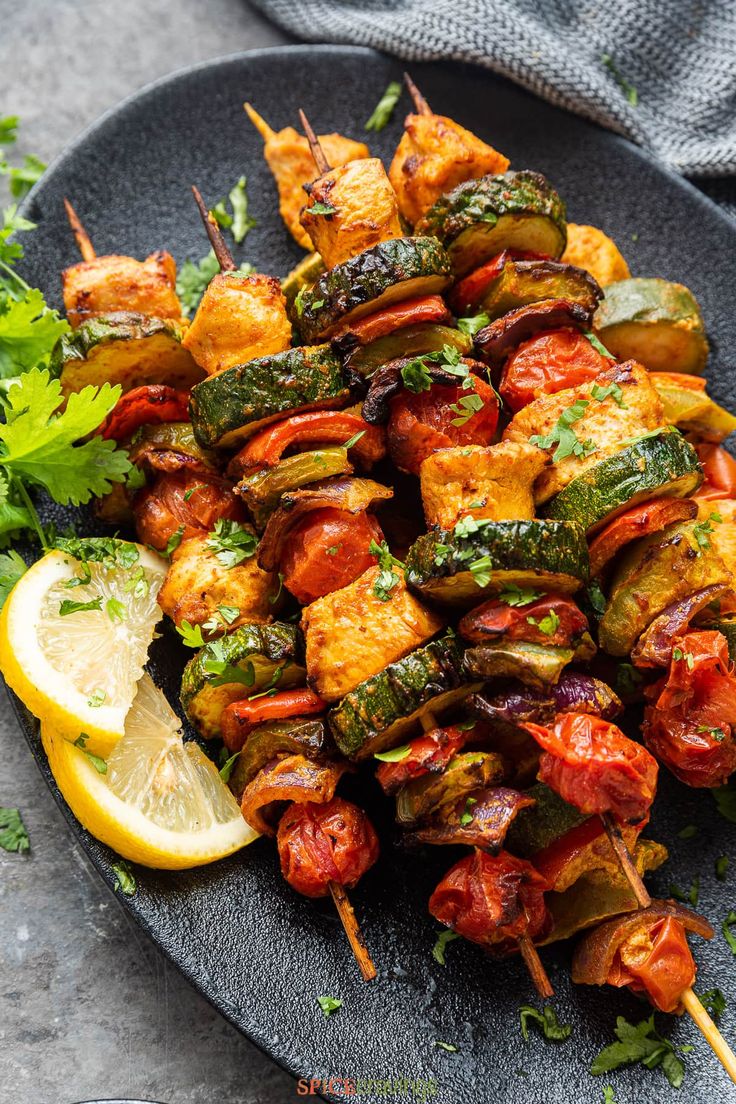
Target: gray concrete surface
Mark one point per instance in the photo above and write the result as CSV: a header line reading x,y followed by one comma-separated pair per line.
x,y
88,1008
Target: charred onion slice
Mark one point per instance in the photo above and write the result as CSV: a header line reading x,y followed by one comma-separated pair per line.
x,y
379,277
293,778
654,646
319,844
480,218
639,521
318,427
481,822
348,494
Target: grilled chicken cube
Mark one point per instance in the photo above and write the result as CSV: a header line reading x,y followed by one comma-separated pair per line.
x,y
289,158
631,407
495,482
350,208
353,633
434,155
591,249
721,536
116,283
239,318
198,588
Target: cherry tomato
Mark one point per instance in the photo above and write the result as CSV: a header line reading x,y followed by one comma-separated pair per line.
x,y
186,503
319,844
657,961
720,472
327,550
549,362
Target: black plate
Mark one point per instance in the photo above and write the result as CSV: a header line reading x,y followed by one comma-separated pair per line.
x,y
260,953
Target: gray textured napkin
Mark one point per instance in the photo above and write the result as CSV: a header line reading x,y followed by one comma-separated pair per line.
x,y
676,59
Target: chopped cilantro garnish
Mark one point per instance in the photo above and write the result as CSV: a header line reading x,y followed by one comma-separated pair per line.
x,y
443,938
13,833
231,543
546,1021
395,755
563,438
329,1005
320,208
641,1043
124,878
387,577
384,109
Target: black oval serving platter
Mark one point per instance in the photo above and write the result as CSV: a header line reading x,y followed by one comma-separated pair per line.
x,y
256,950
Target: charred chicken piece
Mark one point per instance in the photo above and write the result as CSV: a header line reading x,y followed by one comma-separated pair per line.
x,y
118,283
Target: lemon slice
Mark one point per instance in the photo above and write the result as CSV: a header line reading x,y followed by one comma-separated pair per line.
x,y
156,800
77,668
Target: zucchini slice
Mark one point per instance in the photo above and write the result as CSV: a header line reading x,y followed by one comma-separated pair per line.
x,y
663,464
461,567
309,269
125,348
233,405
536,665
480,218
652,574
655,322
393,270
688,406
380,712
265,654
521,283
411,341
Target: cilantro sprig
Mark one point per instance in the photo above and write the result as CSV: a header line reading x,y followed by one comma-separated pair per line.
x,y
384,109
387,577
563,438
642,1043
13,833
546,1021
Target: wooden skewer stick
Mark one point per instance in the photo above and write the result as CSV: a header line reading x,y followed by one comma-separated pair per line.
x,y
529,952
421,105
711,1034
82,237
217,241
627,863
259,122
352,931
323,165
537,972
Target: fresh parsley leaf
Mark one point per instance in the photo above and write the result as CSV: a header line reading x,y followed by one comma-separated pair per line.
x,y
240,222
608,1095
23,177
191,634
549,624
68,607
716,734
13,834
299,300
703,529
721,867
223,672
688,832
467,815
687,657
546,1021
598,346
12,567
395,755
124,878
514,595
28,333
628,89
173,542
115,610
44,447
466,526
102,550
713,1001
334,549
416,376
563,438
319,208
449,1047
728,935
329,1005
99,764
226,769
8,127
640,1043
193,490
465,408
231,543
354,439
11,251
481,569
612,391
387,577
193,278
443,938
725,799
384,109
473,323
691,897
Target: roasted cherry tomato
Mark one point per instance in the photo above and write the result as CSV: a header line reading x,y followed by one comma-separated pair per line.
x,y
240,717
547,363
720,472
691,719
326,551
552,619
185,503
151,404
318,427
591,764
655,960
319,844
420,424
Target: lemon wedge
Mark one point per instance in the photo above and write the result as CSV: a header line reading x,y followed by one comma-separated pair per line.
x,y
74,636
156,800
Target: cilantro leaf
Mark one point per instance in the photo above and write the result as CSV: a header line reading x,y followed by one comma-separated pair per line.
x,y
713,1001
598,346
13,834
231,543
449,1047
241,221
11,569
11,251
613,391
563,438
191,634
703,529
728,935
640,1043
465,408
546,1021
40,445
223,672
192,280
68,606
319,208
384,109
23,177
473,323
725,799
124,878
608,1095
721,865
226,769
387,577
329,1005
443,938
395,755
28,333
8,127
548,625
514,595
415,375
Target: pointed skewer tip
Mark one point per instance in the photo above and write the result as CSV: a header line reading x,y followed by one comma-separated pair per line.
x,y
80,234
420,104
217,241
320,160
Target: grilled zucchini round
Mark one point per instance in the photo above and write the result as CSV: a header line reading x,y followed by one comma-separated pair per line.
x,y
303,275
480,218
424,337
231,406
127,349
655,322
521,283
459,567
393,270
380,712
263,653
664,464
